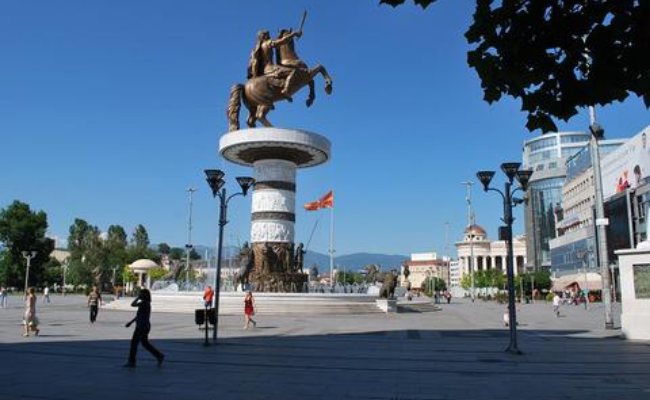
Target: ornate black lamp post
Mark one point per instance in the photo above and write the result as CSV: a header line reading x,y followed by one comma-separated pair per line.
x,y
215,178
505,233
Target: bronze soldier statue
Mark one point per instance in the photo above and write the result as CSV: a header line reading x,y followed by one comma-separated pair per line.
x,y
270,82
299,258
261,62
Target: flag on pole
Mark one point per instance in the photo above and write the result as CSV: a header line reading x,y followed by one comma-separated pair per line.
x,y
326,201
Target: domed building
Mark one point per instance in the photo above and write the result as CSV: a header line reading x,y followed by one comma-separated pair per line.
x,y
141,268
488,254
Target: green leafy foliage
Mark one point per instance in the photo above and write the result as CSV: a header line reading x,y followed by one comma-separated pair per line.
x,y
128,276
140,237
395,3
349,277
156,273
541,280
434,283
163,248
93,257
176,253
22,229
492,278
194,255
559,56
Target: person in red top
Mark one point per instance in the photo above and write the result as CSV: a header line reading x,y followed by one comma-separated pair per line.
x,y
249,310
207,297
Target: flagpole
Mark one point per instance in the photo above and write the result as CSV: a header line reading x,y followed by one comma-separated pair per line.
x,y
332,246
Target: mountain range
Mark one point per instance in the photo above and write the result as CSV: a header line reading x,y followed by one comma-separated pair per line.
x,y
352,262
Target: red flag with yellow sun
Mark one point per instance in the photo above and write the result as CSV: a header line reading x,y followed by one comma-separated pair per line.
x,y
326,201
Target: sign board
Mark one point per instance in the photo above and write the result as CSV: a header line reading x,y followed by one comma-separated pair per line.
x,y
602,221
627,165
641,281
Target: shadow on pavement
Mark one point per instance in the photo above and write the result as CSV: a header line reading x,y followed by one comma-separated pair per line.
x,y
380,364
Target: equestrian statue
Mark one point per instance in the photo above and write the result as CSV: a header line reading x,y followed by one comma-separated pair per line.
x,y
275,73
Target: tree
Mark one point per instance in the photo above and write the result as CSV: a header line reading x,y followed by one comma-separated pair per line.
x,y
156,273
163,248
140,237
194,255
22,229
116,248
140,246
176,253
88,256
466,281
437,283
349,277
52,272
558,56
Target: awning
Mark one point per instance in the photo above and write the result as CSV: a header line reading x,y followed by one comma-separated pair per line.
x,y
591,280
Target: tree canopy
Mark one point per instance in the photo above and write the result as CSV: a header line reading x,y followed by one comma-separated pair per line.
x,y
22,229
559,56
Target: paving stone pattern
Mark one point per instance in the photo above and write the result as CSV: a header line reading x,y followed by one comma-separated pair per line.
x,y
456,353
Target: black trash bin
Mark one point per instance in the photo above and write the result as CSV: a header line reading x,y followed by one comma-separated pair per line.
x,y
212,316
199,316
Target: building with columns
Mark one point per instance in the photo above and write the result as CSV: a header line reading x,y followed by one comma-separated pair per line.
x,y
489,254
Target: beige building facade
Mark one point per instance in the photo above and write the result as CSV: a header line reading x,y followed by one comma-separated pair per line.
x,y
488,254
423,265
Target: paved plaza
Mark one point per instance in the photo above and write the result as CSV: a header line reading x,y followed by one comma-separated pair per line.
x,y
456,353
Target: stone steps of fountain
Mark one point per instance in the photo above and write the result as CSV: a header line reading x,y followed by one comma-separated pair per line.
x,y
267,304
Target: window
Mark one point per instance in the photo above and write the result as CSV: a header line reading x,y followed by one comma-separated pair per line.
x,y
574,138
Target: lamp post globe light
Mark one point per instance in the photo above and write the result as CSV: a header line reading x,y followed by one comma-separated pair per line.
x,y
28,255
215,179
512,172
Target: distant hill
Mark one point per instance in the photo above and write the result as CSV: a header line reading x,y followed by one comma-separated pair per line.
x,y
355,261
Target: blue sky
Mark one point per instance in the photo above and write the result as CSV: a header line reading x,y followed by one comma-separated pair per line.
x,y
109,111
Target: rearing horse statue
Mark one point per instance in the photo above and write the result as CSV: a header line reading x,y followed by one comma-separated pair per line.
x,y
271,82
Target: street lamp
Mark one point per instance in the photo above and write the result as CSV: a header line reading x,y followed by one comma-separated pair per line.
x,y
66,263
511,170
189,246
470,233
28,255
597,133
215,178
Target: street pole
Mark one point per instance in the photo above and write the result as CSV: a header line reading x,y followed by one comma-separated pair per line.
x,y
191,191
512,171
470,233
597,133
216,182
28,255
66,262
223,209
512,310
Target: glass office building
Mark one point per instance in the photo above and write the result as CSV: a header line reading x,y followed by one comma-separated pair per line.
x,y
555,158
546,155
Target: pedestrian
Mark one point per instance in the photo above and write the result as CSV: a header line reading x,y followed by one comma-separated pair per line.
x,y
556,305
208,295
94,302
46,294
506,317
249,309
30,322
448,296
142,329
3,297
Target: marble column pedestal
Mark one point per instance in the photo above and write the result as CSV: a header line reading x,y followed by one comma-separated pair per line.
x,y
275,155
